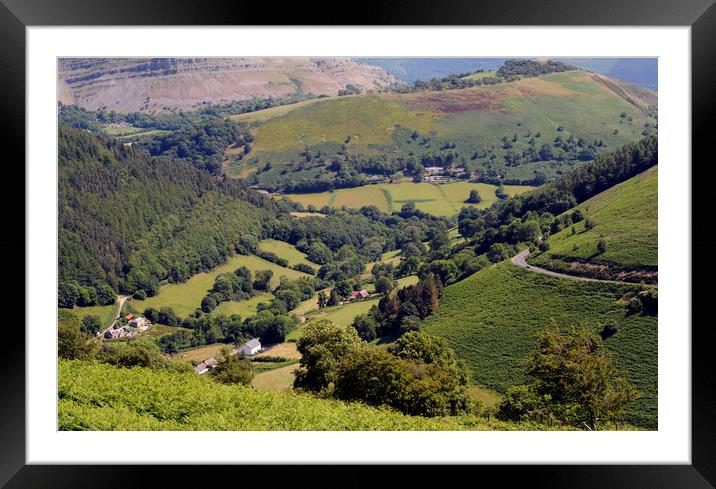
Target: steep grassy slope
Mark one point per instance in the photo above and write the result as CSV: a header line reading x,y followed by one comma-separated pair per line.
x,y
626,218
102,397
471,122
490,319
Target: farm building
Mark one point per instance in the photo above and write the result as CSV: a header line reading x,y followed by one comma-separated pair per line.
x,y
250,347
113,334
129,317
205,366
436,178
358,295
140,323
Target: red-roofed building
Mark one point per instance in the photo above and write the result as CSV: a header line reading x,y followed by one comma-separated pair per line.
x,y
358,295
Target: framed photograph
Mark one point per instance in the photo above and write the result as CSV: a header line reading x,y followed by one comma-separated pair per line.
x,y
429,237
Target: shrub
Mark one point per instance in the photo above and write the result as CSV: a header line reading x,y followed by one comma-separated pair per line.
x,y
610,329
601,246
270,359
474,197
72,343
208,304
106,295
168,316
151,314
91,325
272,257
521,403
233,370
302,267
375,377
321,346
138,353
365,325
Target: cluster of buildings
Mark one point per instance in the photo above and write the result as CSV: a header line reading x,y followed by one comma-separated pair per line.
x,y
438,174
134,326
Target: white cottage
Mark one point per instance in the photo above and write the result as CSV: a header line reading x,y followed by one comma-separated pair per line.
x,y
251,347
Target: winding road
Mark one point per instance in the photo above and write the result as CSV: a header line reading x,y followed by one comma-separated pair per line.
x,y
121,299
520,260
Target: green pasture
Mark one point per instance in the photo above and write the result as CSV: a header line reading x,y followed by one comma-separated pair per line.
x,y
185,297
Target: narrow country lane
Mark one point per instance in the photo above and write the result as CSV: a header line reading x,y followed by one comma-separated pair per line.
x,y
520,260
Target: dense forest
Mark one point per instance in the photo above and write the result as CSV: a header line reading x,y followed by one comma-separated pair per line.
x,y
130,220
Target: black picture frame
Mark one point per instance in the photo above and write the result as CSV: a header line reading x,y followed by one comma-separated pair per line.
x,y
700,15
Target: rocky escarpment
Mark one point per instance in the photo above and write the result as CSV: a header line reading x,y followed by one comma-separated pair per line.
x,y
161,84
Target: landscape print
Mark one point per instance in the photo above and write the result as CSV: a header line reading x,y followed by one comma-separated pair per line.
x,y
357,244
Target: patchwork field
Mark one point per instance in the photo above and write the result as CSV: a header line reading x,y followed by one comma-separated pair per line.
x,y
344,315
277,380
201,353
490,319
187,296
286,251
440,200
285,350
242,308
265,115
159,330
391,257
626,217
106,314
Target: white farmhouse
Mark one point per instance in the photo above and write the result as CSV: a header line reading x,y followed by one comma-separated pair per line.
x,y
250,347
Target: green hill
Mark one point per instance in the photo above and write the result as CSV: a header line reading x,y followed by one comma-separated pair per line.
x,y
95,396
132,221
625,217
497,130
490,319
